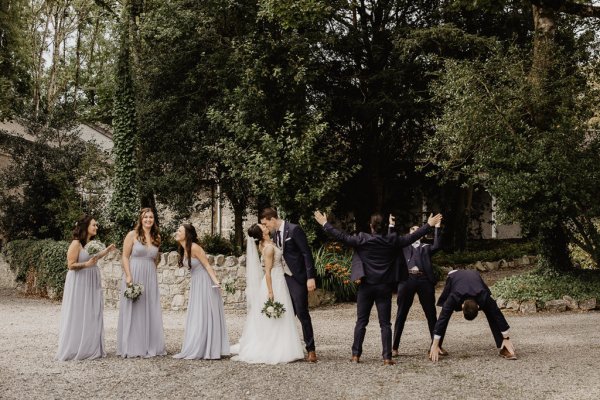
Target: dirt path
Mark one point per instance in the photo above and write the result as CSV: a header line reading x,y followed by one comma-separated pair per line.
x,y
558,360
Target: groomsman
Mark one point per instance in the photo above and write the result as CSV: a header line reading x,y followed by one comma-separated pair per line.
x,y
416,277
374,263
299,268
466,291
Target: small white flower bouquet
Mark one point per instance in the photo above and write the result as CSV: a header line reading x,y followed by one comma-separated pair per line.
x,y
134,291
273,309
93,247
229,285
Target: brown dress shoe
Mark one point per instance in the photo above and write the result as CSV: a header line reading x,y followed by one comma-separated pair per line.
x,y
504,353
395,353
389,362
355,359
311,357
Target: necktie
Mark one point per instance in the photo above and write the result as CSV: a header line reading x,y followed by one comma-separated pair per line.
x,y
279,239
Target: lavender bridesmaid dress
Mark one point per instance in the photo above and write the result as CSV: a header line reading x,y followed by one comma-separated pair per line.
x,y
81,324
205,330
140,328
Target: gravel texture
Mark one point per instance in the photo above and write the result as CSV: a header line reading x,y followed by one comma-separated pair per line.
x,y
558,359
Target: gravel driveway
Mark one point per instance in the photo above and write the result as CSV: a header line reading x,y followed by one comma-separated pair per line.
x,y
558,360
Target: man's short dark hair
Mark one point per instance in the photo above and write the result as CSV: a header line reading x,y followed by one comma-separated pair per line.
x,y
268,213
376,222
470,309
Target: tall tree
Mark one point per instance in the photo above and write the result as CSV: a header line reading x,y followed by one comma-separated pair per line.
x,y
14,64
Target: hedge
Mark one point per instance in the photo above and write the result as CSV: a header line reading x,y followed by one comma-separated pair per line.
x,y
47,259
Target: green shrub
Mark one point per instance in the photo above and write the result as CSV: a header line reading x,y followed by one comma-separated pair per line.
x,y
216,244
506,251
333,263
542,287
47,258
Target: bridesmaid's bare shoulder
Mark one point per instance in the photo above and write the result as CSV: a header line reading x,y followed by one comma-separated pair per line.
x,y
197,249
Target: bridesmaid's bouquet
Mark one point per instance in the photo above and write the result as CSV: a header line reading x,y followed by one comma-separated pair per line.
x,y
94,247
134,291
229,285
273,309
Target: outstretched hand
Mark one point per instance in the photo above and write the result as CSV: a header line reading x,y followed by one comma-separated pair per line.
x,y
434,352
434,220
320,217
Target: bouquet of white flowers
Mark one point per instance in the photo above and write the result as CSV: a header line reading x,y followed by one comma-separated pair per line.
x,y
94,247
134,291
273,309
229,285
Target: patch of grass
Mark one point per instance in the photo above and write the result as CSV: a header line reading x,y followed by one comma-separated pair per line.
x,y
543,286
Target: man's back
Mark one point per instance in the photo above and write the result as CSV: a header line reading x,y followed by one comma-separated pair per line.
x,y
462,284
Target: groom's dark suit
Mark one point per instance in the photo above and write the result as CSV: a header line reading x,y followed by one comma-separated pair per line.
x,y
299,259
374,262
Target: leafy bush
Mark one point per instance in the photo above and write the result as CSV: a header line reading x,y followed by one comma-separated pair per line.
x,y
216,244
46,258
504,252
333,263
542,287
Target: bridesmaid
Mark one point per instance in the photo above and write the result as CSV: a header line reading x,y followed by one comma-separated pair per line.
x,y
205,331
140,328
81,324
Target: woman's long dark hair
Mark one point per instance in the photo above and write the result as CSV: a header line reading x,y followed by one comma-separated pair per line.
x,y
190,237
80,231
154,231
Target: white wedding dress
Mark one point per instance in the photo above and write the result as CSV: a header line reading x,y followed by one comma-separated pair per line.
x,y
267,340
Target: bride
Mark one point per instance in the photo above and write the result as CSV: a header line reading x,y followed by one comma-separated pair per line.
x,y
266,340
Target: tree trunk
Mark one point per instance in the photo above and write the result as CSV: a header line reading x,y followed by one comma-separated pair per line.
x,y
544,49
553,250
239,211
77,62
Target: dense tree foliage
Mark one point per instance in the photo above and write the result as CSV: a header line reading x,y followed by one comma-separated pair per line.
x,y
353,106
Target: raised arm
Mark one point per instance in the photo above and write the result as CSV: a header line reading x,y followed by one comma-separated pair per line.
x,y
403,241
391,224
350,240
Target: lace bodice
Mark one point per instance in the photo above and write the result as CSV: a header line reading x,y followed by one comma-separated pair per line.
x,y
276,259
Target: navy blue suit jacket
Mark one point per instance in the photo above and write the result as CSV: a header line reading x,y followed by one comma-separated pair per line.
x,y
297,253
374,259
425,252
460,285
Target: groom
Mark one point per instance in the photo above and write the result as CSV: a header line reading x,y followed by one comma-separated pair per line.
x,y
299,269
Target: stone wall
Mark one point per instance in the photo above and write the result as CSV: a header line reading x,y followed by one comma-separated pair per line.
x,y
7,277
174,282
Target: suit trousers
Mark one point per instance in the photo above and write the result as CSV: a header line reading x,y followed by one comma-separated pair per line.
x,y
299,295
495,319
380,295
423,287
